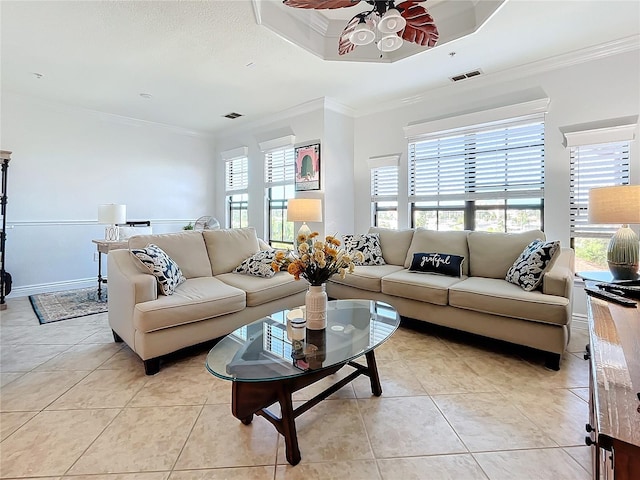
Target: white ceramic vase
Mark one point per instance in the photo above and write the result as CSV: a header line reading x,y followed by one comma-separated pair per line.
x,y
316,307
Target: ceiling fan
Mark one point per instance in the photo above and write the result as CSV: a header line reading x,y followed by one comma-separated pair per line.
x,y
386,23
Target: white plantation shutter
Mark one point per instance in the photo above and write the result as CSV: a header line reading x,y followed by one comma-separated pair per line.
x,y
593,166
384,184
279,167
481,162
237,175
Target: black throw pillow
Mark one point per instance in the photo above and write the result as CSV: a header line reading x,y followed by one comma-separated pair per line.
x,y
442,263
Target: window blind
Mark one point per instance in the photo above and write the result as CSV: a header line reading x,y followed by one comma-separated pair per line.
x,y
279,167
384,183
594,166
237,175
482,162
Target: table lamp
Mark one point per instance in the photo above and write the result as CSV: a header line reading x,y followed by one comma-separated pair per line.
x,y
112,214
618,205
304,210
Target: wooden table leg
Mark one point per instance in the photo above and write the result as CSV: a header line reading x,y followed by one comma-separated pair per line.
x,y
376,388
288,425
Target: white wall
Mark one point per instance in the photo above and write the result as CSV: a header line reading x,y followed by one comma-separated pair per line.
x,y
309,123
66,161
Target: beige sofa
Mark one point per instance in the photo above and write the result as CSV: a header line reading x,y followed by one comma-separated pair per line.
x,y
212,302
480,301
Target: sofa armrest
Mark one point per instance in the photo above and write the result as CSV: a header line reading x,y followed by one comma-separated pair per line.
x,y
558,280
127,287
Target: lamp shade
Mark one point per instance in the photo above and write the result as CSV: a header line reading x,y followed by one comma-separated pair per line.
x,y
112,214
304,210
362,35
391,22
617,205
390,43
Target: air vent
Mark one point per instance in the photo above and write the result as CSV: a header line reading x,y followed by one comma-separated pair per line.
x,y
462,76
232,115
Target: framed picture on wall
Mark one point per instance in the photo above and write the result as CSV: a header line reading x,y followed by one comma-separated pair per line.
x,y
307,167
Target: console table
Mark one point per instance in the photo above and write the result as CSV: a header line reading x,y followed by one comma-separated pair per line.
x,y
614,390
104,246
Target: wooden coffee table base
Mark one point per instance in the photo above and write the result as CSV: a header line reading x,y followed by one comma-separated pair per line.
x,y
249,398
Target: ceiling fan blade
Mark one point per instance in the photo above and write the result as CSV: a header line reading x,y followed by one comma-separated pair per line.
x,y
420,27
344,44
320,4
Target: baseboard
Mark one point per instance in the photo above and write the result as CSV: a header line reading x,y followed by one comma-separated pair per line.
x,y
579,321
52,287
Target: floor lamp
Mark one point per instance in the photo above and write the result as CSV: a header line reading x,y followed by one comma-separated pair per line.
x,y
618,205
304,210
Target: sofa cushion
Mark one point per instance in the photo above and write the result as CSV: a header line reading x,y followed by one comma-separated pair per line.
x,y
258,264
194,300
366,277
187,249
529,268
368,244
425,287
394,244
440,263
161,266
228,248
499,297
491,253
452,242
263,290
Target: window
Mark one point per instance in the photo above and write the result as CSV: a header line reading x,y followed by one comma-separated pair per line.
x,y
237,198
279,183
486,177
384,191
601,165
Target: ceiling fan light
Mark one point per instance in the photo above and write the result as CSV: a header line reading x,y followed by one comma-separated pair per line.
x,y
389,43
362,35
391,22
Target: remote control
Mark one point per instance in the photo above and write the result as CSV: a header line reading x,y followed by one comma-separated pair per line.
x,y
610,297
621,289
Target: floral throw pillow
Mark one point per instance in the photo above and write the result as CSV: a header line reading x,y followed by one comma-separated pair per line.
x,y
368,244
258,264
527,271
159,264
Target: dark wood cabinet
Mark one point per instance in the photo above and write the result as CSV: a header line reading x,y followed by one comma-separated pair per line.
x,y
613,430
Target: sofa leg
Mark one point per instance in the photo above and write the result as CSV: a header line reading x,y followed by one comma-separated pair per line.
x,y
116,338
152,366
552,361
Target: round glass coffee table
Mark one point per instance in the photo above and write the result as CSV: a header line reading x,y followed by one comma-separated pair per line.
x,y
266,366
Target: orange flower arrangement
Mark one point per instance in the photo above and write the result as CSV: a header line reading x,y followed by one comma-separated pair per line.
x,y
315,260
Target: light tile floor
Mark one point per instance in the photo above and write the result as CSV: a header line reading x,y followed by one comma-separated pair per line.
x,y
74,404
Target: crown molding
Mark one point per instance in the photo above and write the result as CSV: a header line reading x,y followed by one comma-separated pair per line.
x,y
106,117
318,22
616,47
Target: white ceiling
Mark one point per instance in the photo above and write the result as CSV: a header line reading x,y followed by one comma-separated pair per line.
x,y
193,57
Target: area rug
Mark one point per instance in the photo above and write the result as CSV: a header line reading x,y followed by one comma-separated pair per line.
x,y
56,306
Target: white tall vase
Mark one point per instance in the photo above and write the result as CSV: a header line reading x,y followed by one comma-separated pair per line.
x,y
316,307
